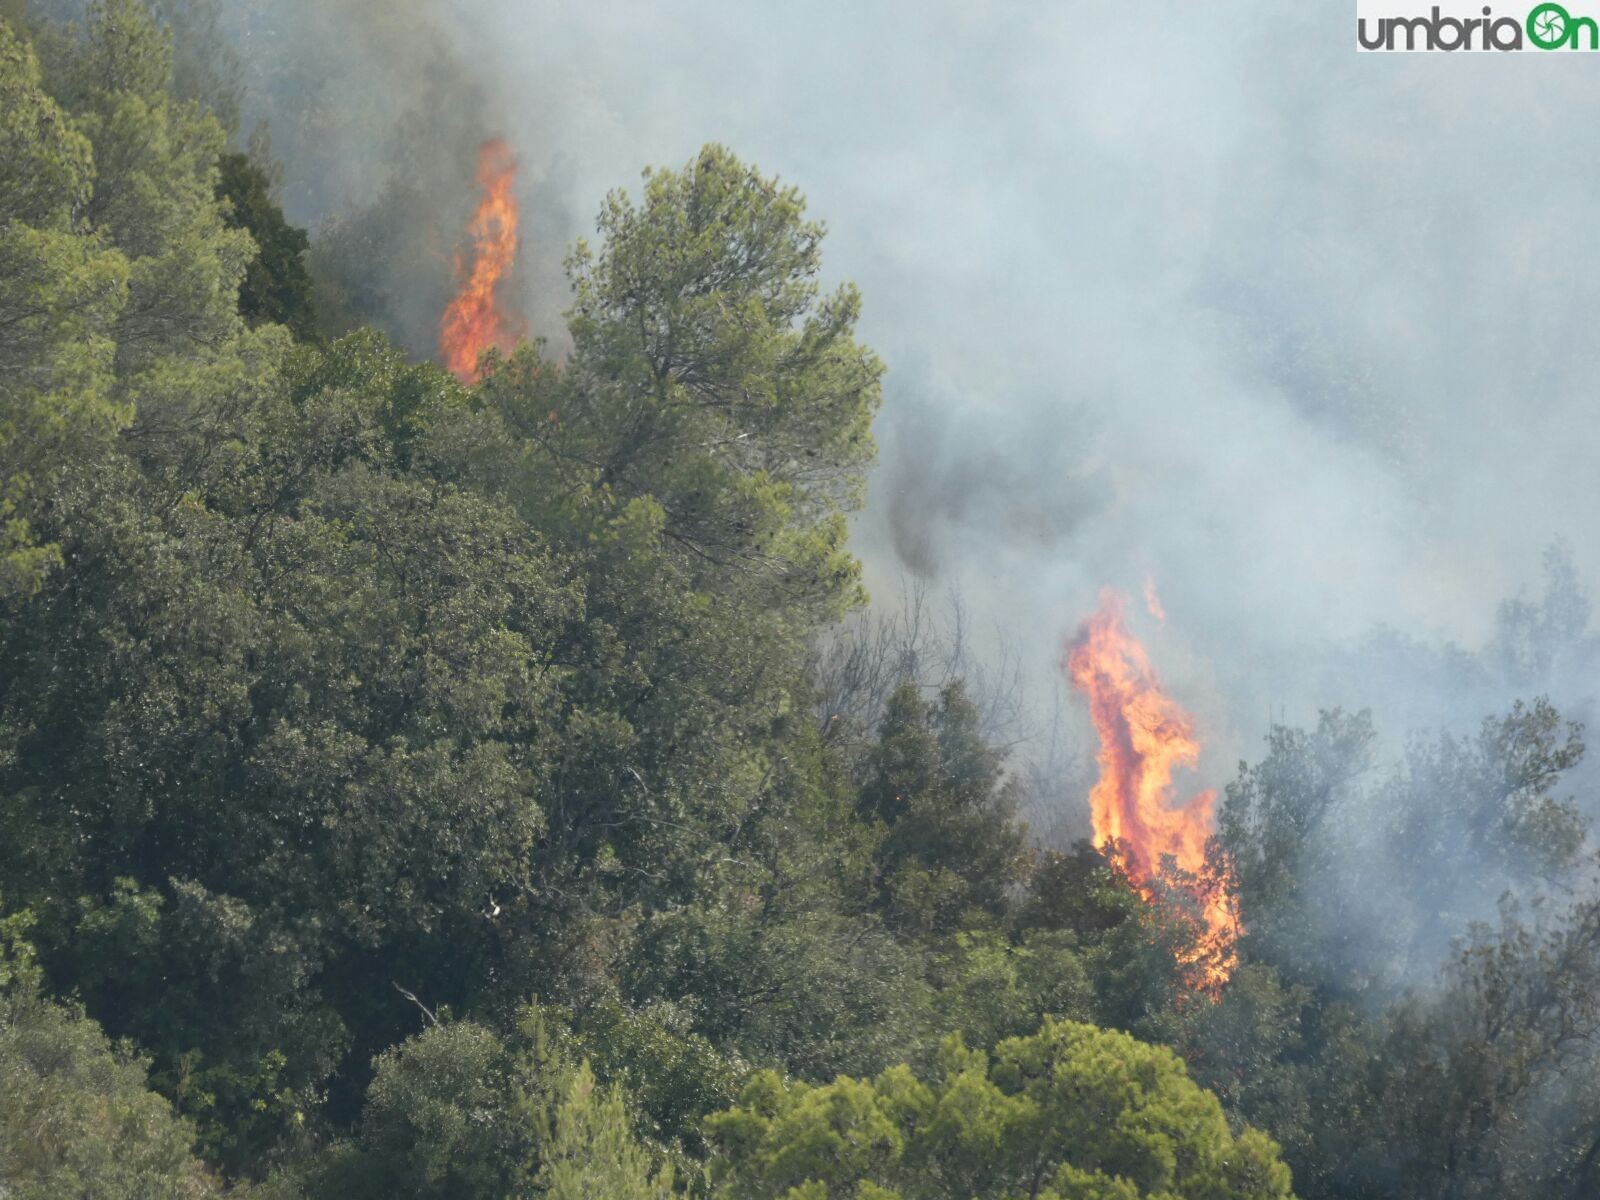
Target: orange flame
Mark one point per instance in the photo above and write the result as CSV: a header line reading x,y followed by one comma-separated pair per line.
x,y
474,320
1144,736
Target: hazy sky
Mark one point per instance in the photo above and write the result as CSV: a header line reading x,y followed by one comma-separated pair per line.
x,y
1189,290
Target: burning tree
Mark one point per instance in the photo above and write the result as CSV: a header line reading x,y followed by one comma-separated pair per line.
x,y
478,317
1144,735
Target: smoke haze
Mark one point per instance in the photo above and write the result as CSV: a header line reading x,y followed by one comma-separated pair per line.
x,y
1196,292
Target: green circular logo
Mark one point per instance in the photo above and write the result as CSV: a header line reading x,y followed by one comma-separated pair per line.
x,y
1548,26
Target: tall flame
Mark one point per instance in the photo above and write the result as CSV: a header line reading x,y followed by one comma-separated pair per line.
x,y
1144,736
475,320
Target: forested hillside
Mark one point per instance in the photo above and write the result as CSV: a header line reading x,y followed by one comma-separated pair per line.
x,y
414,789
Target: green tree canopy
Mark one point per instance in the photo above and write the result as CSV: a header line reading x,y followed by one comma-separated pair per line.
x,y
76,1118
277,286
1069,1113
62,292
951,844
459,1113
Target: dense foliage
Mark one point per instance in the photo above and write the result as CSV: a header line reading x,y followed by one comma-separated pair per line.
x,y
1071,1113
412,790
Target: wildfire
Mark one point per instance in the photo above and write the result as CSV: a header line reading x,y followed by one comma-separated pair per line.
x,y
474,320
1144,736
